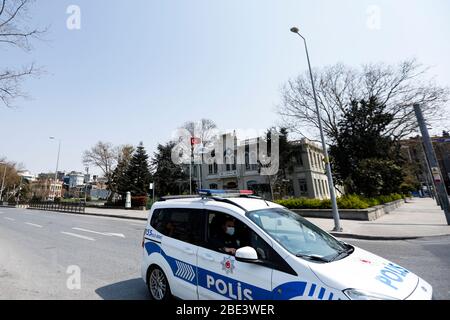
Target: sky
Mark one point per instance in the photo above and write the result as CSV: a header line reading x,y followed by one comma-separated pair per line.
x,y
137,70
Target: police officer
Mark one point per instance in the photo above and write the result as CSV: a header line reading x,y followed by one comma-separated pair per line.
x,y
225,238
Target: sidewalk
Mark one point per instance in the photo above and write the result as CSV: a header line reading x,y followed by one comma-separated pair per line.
x,y
118,213
420,217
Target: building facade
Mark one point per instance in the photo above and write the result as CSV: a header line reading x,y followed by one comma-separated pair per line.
x,y
46,189
307,179
414,153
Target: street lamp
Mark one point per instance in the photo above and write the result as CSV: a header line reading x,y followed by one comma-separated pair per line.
x,y
337,225
3,181
57,159
57,162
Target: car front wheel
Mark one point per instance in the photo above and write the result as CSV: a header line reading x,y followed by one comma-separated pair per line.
x,y
158,285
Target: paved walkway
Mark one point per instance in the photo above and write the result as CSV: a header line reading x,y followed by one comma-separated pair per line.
x,y
420,217
118,213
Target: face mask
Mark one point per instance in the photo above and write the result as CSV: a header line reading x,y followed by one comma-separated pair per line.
x,y
230,231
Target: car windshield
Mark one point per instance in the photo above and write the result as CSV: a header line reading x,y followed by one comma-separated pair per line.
x,y
297,235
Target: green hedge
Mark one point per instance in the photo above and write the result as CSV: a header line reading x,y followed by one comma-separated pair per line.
x,y
349,201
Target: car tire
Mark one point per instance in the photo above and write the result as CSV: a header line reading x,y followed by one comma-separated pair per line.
x,y
158,285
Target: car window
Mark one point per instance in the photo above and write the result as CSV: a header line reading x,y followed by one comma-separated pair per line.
x,y
243,236
180,223
295,233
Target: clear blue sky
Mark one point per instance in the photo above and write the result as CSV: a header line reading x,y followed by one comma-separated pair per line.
x,y
138,69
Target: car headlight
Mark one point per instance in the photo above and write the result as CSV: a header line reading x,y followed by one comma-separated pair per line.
x,y
355,294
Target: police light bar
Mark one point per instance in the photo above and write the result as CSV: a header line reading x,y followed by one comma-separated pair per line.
x,y
219,192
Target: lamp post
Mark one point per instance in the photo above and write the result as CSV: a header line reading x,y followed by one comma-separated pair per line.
x,y
337,225
57,159
3,181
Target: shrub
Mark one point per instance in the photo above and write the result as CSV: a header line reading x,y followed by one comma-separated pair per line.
x,y
372,202
139,201
348,201
352,201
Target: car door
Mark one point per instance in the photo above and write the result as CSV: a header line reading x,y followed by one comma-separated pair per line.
x,y
179,248
221,276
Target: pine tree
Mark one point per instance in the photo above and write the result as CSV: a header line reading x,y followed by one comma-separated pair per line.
x,y
138,175
169,177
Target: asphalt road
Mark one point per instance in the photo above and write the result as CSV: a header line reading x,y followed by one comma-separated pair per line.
x,y
42,252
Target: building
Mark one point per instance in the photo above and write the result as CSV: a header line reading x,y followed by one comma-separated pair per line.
x,y
46,189
76,179
27,175
307,179
414,153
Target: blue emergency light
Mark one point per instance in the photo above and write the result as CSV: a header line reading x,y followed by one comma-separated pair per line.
x,y
221,192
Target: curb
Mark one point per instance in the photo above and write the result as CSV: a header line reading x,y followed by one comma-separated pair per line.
x,y
111,216
391,238
367,237
97,215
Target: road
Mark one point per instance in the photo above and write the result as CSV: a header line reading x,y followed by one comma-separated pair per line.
x,y
42,252
38,250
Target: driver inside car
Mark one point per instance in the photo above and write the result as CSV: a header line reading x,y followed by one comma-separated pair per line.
x,y
224,238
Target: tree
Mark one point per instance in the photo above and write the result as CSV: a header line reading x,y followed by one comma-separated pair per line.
x,y
138,177
365,159
398,88
169,178
119,181
15,33
203,129
103,156
12,179
288,157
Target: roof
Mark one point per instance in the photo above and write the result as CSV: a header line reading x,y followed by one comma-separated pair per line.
x,y
236,204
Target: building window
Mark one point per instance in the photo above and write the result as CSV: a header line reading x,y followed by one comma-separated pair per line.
x,y
303,187
212,168
231,167
213,186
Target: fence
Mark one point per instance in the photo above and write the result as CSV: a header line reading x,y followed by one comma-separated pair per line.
x,y
61,207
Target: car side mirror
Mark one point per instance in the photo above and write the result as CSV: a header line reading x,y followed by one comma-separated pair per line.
x,y
246,254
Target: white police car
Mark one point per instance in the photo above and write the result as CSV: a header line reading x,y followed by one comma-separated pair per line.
x,y
222,245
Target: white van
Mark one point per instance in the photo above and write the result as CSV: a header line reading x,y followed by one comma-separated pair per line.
x,y
231,245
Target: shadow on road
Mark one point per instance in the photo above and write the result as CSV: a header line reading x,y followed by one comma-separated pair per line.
x,y
133,289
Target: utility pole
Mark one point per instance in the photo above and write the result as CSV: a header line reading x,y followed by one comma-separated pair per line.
x,y
334,206
441,192
3,182
190,168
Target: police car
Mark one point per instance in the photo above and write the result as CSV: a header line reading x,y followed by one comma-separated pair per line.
x,y
232,245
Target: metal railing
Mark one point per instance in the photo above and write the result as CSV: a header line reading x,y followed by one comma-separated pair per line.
x,y
78,207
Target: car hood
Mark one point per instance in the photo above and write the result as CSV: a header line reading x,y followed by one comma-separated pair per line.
x,y
366,271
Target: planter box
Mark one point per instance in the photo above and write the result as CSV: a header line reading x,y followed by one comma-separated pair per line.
x,y
368,214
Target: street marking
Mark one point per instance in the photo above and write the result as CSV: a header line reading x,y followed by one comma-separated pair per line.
x,y
110,234
33,224
78,236
10,219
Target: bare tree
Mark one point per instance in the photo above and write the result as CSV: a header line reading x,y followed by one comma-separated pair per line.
x,y
103,156
398,87
203,129
106,157
15,32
